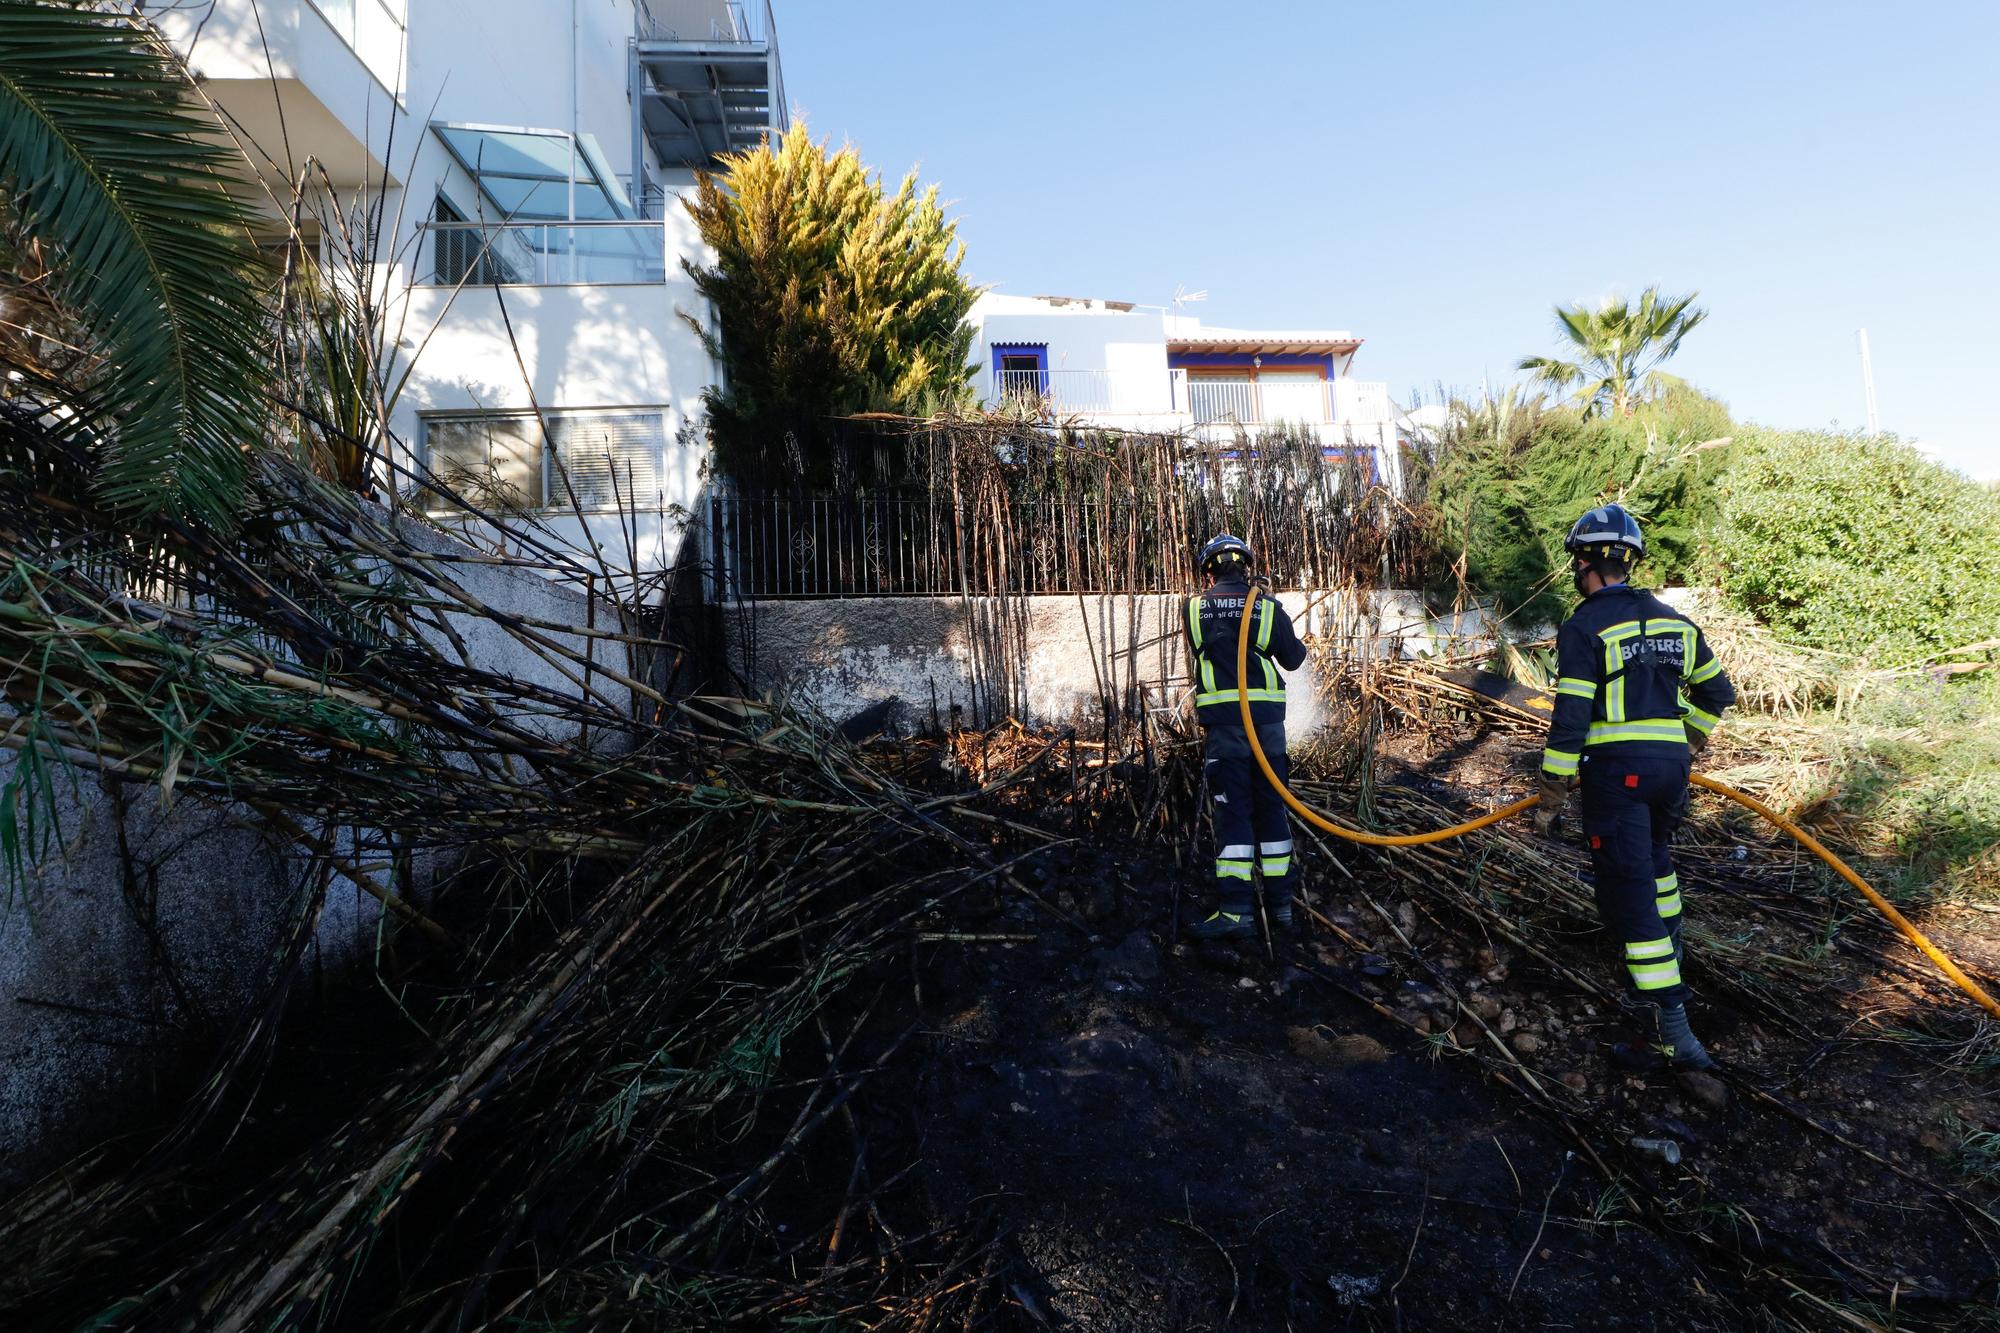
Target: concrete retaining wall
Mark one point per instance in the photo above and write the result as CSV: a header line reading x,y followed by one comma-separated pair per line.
x,y
154,931
1045,660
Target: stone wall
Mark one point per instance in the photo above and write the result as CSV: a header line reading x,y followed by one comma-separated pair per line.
x,y
1044,660
152,932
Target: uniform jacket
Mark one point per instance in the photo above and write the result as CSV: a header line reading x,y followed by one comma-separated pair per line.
x,y
1636,677
1210,622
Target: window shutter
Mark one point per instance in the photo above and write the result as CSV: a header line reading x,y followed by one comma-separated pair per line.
x,y
612,459
494,461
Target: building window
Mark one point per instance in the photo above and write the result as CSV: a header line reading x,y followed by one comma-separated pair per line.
x,y
496,460
493,462
612,459
1021,371
463,253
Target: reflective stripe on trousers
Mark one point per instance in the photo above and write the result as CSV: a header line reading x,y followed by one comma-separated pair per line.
x,y
1632,806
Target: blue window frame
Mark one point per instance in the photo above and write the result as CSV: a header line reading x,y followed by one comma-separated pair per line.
x,y
1021,370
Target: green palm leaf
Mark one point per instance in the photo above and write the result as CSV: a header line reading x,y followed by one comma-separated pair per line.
x,y
107,161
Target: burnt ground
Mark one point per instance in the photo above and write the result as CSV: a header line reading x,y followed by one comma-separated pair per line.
x,y
1399,1118
1193,1141
1319,1136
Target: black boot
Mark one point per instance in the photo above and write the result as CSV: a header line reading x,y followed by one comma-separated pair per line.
x,y
1222,926
1665,1041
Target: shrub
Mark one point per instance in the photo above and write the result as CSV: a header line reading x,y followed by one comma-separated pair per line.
x,y
1511,476
1859,544
832,295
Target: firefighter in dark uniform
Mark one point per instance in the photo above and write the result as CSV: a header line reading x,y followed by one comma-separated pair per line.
x,y
1251,828
1639,694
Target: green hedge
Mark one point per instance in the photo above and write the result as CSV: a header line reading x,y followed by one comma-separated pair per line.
x,y
1858,544
1509,480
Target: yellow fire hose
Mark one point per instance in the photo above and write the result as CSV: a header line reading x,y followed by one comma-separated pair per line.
x,y
1805,839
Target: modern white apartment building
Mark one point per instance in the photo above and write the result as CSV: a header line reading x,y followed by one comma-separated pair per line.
x,y
513,167
1121,365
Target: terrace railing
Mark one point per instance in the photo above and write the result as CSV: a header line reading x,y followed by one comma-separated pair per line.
x,y
543,253
1098,392
1252,403
1223,400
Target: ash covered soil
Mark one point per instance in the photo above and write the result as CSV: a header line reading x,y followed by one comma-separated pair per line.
x,y
1397,1118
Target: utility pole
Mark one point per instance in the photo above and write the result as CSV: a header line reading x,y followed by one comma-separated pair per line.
x,y
1868,385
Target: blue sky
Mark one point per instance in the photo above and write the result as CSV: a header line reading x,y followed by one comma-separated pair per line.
x,y
1435,176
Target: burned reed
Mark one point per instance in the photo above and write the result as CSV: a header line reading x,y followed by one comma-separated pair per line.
x,y
650,922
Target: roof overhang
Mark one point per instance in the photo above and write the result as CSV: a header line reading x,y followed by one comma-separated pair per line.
x,y
1277,344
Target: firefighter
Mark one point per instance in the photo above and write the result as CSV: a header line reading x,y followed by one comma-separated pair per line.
x,y
1251,828
1639,693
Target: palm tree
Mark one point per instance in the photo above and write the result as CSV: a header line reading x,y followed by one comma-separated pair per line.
x,y
113,178
1620,347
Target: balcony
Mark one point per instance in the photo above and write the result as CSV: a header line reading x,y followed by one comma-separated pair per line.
x,y
1267,401
1118,393
708,77
373,30
300,78
542,254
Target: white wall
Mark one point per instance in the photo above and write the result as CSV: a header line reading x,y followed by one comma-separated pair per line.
x,y
294,86
608,346
1131,345
1045,660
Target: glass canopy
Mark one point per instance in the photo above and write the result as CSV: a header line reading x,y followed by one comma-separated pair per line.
x,y
525,175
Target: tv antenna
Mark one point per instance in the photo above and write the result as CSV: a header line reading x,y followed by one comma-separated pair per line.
x,y
1182,296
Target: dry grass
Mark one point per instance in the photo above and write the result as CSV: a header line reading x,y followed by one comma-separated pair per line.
x,y
1770,675
1908,771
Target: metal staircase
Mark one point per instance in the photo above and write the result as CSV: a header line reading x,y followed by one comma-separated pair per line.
x,y
707,78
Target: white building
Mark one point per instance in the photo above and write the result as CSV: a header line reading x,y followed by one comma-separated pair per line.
x,y
513,169
515,165
1121,365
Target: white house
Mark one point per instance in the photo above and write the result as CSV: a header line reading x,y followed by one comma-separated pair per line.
x,y
1121,365
515,167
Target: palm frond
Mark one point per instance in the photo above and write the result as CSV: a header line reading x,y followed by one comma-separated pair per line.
x,y
107,162
1580,325
1557,374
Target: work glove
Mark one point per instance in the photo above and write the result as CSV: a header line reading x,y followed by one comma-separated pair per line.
x,y
1697,742
1555,791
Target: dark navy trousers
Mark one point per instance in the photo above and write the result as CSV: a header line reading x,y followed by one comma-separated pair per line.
x,y
1252,828
1632,805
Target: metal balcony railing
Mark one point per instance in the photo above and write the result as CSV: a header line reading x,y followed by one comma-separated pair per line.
x,y
1259,402
1212,400
1104,392
543,253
